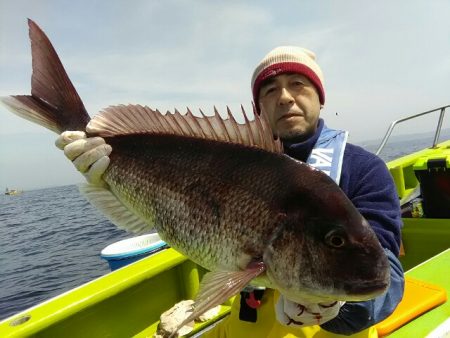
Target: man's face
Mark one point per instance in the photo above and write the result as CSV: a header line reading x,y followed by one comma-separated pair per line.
x,y
292,105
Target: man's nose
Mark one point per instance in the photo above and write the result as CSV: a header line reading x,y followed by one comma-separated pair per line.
x,y
285,97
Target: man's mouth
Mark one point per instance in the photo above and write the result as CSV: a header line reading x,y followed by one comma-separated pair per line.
x,y
289,115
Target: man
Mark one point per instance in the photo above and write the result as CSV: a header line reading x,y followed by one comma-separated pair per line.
x,y
287,86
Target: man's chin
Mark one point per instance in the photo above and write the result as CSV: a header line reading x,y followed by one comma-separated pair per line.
x,y
295,133
293,136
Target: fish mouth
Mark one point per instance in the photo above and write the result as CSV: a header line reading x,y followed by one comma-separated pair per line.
x,y
373,288
367,291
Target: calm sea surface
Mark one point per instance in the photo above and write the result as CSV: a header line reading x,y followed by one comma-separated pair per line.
x,y
50,241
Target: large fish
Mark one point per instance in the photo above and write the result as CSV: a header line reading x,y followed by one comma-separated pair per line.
x,y
220,192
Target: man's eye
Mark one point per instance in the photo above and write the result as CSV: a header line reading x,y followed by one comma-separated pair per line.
x,y
298,83
268,90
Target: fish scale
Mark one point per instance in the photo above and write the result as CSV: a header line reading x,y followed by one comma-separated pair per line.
x,y
187,194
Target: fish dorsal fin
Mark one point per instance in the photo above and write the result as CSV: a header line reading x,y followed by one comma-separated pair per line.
x,y
137,119
113,209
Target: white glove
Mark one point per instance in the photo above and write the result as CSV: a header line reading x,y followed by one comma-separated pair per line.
x,y
170,320
89,155
299,315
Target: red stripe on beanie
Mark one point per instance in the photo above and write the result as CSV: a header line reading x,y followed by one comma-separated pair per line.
x,y
287,67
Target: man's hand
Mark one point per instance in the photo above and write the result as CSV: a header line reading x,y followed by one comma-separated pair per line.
x,y
89,155
298,315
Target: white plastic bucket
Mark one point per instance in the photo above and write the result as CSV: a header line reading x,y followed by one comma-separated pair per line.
x,y
130,250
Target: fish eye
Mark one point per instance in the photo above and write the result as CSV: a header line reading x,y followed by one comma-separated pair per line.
x,y
335,239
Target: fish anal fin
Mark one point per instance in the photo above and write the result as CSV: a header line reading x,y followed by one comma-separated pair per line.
x,y
104,200
218,286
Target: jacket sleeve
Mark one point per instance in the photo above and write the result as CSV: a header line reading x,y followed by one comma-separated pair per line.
x,y
357,316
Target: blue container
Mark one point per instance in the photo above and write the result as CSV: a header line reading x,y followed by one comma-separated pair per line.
x,y
130,250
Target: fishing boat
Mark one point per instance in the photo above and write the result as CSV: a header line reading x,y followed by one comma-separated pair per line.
x,y
128,302
12,192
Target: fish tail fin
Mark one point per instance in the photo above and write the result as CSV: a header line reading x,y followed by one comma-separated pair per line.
x,y
54,103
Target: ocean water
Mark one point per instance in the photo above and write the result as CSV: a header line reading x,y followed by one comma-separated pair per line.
x,y
50,240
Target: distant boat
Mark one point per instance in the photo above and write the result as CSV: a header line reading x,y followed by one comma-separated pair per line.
x,y
13,192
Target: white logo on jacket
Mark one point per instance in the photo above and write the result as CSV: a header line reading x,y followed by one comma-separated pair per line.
x,y
321,158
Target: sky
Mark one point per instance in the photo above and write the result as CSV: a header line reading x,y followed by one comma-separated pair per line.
x,y
382,60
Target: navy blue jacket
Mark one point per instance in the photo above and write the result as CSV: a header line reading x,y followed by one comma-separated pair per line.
x,y
367,182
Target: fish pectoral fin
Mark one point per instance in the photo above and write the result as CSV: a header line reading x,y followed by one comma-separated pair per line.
x,y
104,200
216,287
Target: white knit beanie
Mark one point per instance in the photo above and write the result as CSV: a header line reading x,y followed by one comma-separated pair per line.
x,y
288,59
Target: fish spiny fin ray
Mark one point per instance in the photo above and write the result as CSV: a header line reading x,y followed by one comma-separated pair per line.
x,y
216,287
114,209
137,119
